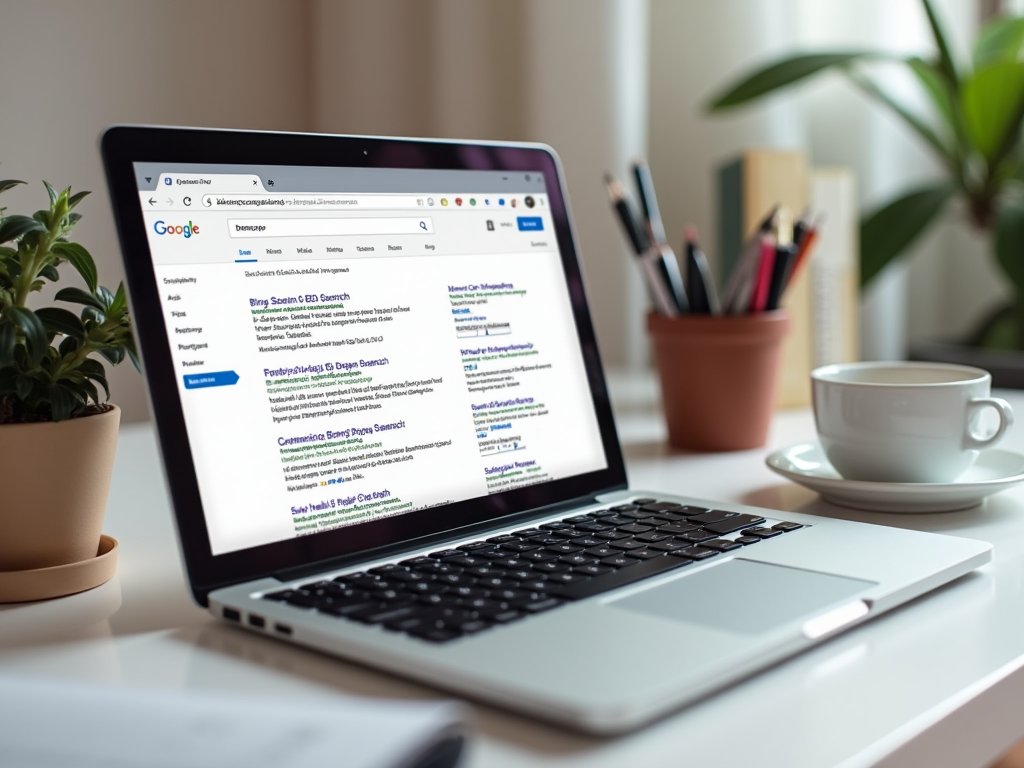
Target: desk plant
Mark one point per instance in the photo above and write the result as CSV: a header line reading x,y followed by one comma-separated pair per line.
x,y
974,129
57,434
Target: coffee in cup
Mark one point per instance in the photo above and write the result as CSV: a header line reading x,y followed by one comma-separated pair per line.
x,y
902,422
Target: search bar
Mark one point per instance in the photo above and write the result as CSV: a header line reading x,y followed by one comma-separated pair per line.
x,y
324,201
400,225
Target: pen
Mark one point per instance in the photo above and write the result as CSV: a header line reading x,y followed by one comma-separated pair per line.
x,y
739,286
759,300
701,288
785,258
651,260
649,201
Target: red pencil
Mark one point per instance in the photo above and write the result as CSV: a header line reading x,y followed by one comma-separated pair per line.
x,y
763,282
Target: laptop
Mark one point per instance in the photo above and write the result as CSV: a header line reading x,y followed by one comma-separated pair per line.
x,y
387,435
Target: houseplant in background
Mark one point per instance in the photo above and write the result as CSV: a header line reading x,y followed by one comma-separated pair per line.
x,y
57,433
973,127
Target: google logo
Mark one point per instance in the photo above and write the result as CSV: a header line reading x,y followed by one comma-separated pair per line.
x,y
176,229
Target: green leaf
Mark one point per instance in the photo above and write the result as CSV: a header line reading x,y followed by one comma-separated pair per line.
x,y
23,387
13,227
78,296
105,296
68,346
888,231
992,101
102,381
93,315
50,273
1001,40
75,199
780,74
874,90
81,260
6,184
50,191
1008,239
32,327
63,402
57,320
940,92
946,64
8,338
113,355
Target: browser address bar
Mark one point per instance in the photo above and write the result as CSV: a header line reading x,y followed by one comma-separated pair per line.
x,y
322,201
307,227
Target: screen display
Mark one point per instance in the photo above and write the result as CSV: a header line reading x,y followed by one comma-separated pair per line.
x,y
356,344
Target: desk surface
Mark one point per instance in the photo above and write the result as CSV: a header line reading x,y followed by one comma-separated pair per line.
x,y
939,682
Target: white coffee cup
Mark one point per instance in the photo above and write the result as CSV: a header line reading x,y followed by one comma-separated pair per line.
x,y
904,422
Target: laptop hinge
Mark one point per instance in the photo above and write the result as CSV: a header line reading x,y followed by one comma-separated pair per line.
x,y
434,540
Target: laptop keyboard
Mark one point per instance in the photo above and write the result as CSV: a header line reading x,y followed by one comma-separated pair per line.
x,y
455,592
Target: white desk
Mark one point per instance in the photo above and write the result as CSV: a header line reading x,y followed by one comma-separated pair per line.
x,y
937,683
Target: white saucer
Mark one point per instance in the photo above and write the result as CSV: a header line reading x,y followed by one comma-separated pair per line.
x,y
994,471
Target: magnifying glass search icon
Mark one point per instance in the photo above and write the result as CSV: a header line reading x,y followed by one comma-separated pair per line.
x,y
423,226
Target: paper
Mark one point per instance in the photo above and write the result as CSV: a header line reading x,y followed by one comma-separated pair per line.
x,y
46,724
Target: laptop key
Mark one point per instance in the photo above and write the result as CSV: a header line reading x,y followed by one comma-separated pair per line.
x,y
551,566
652,537
695,537
661,506
634,528
606,550
538,556
587,541
503,617
786,527
279,596
566,577
623,507
722,545
667,546
627,544
577,558
619,561
593,527
578,519
688,511
519,546
523,573
435,635
628,575
465,560
446,553
556,526
695,553
746,540
734,524
611,535
565,548
537,585
641,502
677,529
645,553
762,533
594,569
713,516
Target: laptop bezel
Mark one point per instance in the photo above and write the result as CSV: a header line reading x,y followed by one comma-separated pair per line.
x,y
122,146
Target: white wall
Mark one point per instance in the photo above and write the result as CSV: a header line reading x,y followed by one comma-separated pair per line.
x,y
72,68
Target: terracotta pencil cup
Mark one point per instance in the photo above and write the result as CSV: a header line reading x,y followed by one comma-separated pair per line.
x,y
718,377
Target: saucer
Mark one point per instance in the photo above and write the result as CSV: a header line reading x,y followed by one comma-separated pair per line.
x,y
60,580
806,464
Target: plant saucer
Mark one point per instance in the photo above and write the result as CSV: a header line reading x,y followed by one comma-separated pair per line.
x,y
60,580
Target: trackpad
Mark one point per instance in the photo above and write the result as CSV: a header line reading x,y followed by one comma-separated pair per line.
x,y
743,596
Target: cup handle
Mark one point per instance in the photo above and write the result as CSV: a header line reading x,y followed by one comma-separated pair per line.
x,y
1005,421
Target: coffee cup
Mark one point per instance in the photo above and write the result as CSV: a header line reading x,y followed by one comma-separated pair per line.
x,y
902,422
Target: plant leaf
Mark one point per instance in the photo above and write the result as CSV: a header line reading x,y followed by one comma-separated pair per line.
x,y
1008,239
50,273
13,227
888,231
946,64
68,346
1001,40
63,402
938,89
78,296
6,184
75,199
81,260
113,355
105,296
780,74
872,88
36,342
992,101
8,338
57,320
50,191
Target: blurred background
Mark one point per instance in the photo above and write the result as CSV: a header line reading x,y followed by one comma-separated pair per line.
x,y
602,81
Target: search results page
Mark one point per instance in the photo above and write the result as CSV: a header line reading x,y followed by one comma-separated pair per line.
x,y
343,358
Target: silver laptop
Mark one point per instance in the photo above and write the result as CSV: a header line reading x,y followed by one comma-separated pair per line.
x,y
387,435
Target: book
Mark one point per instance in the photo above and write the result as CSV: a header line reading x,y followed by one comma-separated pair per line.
x,y
749,187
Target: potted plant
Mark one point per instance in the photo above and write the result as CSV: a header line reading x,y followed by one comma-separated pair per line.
x,y
57,433
974,129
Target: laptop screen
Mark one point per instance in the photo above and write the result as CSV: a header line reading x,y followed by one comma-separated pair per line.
x,y
356,344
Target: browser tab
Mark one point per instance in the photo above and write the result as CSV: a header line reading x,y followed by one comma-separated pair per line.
x,y
211,182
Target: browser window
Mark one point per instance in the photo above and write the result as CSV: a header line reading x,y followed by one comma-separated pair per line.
x,y
353,344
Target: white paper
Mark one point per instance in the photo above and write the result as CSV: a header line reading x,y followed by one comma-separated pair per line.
x,y
46,724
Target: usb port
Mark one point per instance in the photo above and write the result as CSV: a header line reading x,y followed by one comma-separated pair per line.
x,y
284,629
257,621
231,614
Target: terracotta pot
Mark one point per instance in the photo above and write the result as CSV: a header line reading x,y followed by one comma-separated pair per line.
x,y
54,480
718,377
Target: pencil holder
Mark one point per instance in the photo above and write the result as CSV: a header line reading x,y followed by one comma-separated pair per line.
x,y
718,377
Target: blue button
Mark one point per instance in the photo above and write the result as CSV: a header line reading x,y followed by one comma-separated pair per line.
x,y
530,223
217,379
